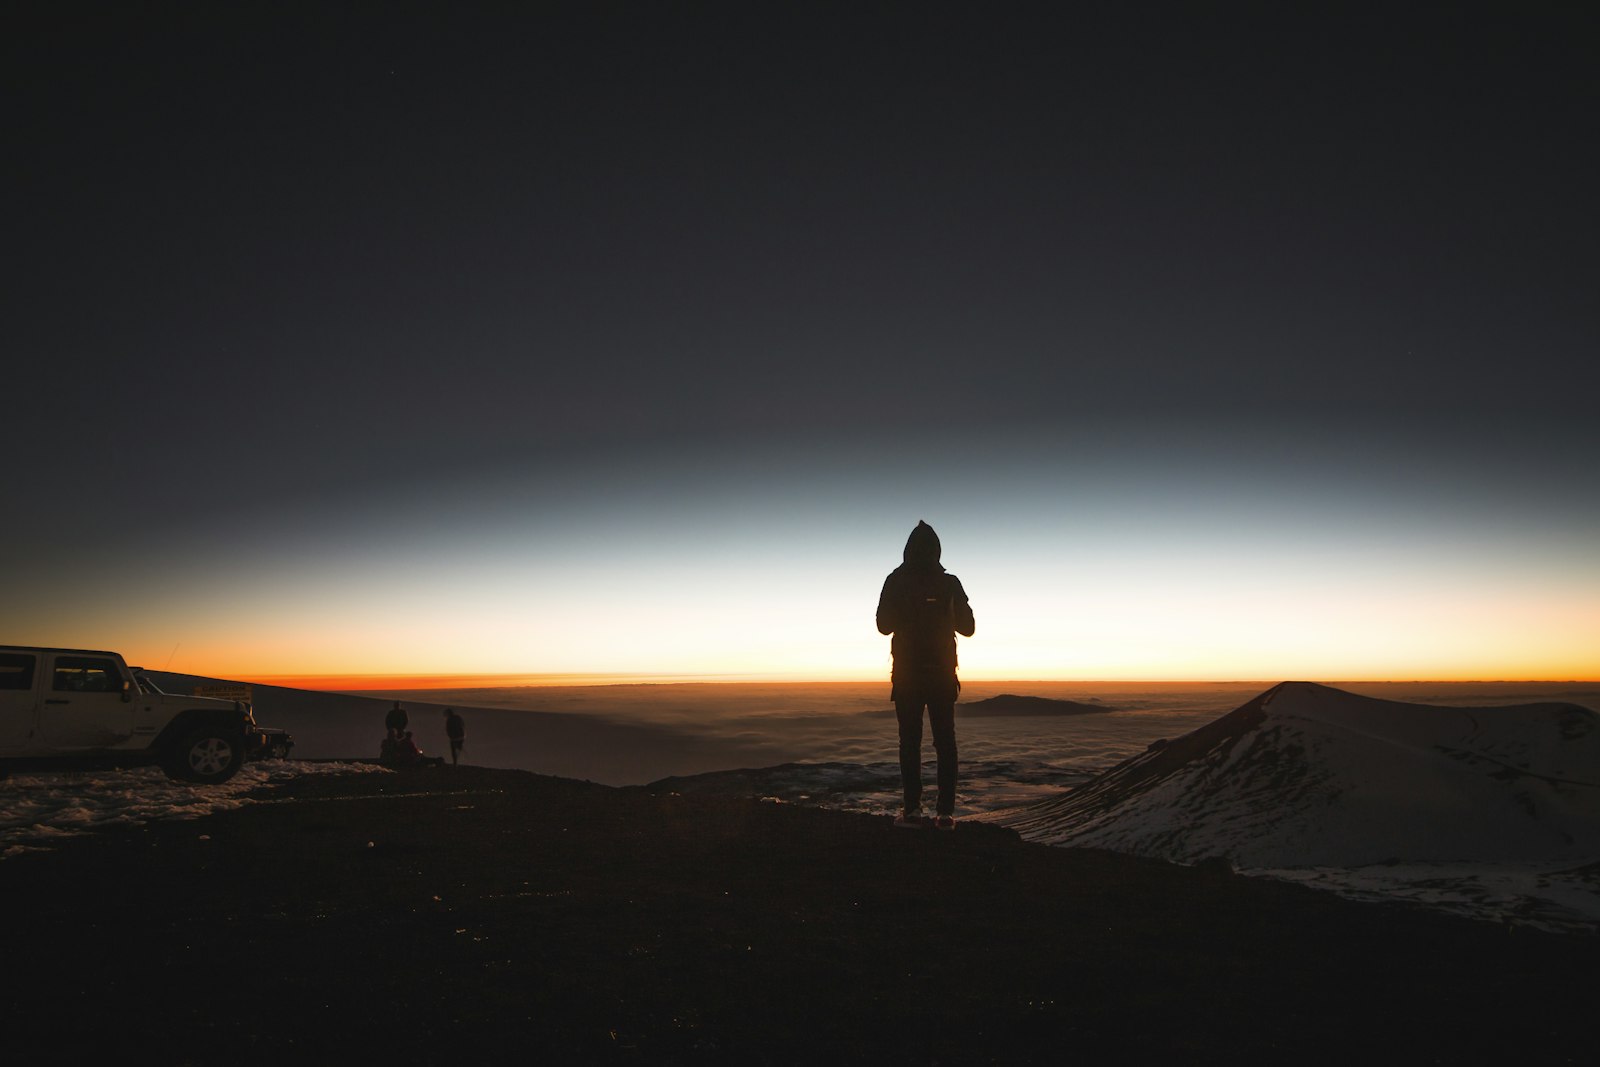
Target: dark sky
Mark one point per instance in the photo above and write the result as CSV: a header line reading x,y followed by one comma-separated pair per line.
x,y
271,257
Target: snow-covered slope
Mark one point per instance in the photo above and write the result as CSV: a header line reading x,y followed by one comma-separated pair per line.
x,y
1306,775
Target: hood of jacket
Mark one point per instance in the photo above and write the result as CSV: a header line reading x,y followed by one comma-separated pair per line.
x,y
922,548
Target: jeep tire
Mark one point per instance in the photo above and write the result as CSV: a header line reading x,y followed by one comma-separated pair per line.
x,y
207,756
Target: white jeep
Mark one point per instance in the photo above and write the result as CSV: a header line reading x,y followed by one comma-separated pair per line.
x,y
73,706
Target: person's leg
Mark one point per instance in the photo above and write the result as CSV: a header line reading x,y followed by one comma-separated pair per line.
x,y
942,721
910,716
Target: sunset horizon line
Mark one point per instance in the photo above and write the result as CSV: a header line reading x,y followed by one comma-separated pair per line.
x,y
386,682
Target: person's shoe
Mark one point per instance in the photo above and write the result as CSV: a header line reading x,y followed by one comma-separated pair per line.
x,y
909,820
944,822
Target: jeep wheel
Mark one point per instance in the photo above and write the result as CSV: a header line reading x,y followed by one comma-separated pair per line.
x,y
205,756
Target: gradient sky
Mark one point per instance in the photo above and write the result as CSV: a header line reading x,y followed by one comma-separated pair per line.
x,y
620,339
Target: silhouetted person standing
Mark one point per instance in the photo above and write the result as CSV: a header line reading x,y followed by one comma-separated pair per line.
x,y
396,721
924,608
456,731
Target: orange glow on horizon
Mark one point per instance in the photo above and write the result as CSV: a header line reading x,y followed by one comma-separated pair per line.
x,y
346,683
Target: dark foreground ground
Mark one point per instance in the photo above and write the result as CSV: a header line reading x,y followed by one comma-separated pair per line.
x,y
472,916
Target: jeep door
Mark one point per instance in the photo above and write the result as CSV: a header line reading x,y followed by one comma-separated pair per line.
x,y
82,706
19,700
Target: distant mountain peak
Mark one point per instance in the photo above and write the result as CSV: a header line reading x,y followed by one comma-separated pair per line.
x,y
1010,704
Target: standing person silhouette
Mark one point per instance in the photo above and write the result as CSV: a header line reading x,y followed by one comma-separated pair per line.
x,y
456,731
924,608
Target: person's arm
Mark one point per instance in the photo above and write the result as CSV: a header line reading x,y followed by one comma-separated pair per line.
x,y
888,617
965,624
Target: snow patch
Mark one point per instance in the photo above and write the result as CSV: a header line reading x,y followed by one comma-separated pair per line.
x,y
37,809
1551,897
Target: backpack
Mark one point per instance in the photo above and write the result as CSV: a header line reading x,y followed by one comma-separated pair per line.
x,y
928,623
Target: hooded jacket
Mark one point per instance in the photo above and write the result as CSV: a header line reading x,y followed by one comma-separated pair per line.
x,y
924,608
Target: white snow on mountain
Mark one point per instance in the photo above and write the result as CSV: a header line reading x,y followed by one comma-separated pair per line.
x,y
37,809
1490,811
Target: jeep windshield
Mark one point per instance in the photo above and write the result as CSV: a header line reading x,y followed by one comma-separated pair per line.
x,y
146,686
